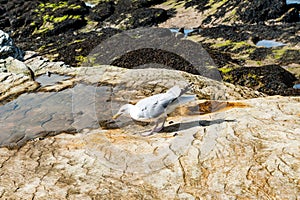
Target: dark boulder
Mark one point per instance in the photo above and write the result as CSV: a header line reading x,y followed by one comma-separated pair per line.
x,y
253,11
292,15
102,10
270,79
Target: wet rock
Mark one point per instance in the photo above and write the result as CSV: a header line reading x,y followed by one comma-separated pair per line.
x,y
8,48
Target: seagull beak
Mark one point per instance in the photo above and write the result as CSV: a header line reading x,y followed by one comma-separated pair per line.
x,y
116,115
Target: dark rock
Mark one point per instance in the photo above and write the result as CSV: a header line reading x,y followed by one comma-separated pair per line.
x,y
257,11
102,10
147,17
222,59
270,79
140,17
135,48
73,49
67,25
247,11
33,18
237,33
149,55
290,56
52,27
200,5
2,10
260,54
291,16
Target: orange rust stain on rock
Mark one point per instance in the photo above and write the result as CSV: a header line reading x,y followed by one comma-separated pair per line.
x,y
236,105
217,106
207,107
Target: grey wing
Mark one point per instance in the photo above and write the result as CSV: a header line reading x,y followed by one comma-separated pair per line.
x,y
155,106
177,92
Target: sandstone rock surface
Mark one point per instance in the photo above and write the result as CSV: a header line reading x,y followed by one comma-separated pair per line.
x,y
73,99
227,145
249,152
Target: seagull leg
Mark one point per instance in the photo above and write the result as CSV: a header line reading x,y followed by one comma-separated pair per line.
x,y
155,129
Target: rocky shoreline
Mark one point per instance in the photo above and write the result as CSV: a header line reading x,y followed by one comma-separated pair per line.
x,y
67,66
69,30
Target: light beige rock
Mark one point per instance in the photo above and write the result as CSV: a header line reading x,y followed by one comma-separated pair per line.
x,y
13,85
249,152
17,67
239,149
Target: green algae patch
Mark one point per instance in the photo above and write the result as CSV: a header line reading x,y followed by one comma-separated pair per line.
x,y
215,5
240,45
278,53
81,59
222,44
50,16
225,70
76,41
234,46
60,19
47,26
53,6
286,55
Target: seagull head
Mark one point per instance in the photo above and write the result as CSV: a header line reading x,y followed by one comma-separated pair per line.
x,y
125,109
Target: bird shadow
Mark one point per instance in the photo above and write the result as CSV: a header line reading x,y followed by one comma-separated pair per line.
x,y
186,125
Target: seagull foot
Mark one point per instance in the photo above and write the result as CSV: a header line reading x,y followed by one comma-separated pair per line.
x,y
148,133
155,130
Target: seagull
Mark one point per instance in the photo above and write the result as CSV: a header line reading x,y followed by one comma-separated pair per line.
x,y
156,107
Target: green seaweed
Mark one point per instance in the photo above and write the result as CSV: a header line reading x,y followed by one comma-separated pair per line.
x,y
278,53
225,70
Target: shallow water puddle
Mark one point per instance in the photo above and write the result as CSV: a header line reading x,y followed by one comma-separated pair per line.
x,y
88,4
292,2
186,32
296,86
42,114
50,79
269,43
